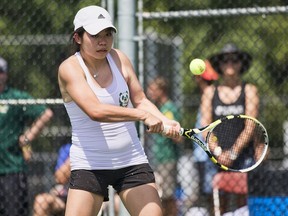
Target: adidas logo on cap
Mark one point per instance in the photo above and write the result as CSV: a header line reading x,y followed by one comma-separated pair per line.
x,y
101,16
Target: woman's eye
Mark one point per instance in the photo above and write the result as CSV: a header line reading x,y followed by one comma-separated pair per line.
x,y
95,36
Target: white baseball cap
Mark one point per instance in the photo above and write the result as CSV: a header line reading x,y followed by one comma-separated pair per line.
x,y
93,19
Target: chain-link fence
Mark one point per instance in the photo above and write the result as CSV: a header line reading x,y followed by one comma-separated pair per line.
x,y
34,39
178,32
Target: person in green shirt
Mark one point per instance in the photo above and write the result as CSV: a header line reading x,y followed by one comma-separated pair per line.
x,y
15,147
165,151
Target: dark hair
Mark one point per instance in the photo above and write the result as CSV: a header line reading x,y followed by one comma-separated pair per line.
x,y
162,84
75,47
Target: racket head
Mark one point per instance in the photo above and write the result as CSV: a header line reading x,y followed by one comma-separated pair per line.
x,y
237,143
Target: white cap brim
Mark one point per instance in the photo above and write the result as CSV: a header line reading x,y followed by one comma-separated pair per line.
x,y
95,28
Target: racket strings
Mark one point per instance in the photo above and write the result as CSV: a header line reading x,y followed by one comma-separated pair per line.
x,y
237,143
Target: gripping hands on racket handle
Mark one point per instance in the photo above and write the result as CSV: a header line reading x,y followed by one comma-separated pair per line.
x,y
234,143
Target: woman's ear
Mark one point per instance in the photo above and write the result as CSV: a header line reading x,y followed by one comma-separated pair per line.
x,y
77,39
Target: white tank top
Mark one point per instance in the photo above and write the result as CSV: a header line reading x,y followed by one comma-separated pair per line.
x,y
100,145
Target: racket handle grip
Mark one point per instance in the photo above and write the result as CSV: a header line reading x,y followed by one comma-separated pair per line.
x,y
167,127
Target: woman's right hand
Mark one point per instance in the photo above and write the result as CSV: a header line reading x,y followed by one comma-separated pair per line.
x,y
153,124
156,125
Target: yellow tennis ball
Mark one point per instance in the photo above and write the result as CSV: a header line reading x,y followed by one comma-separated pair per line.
x,y
197,66
217,151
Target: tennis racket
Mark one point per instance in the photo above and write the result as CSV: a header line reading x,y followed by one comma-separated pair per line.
x,y
236,143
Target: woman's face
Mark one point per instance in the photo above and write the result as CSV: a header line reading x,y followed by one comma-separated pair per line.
x,y
154,93
230,64
98,45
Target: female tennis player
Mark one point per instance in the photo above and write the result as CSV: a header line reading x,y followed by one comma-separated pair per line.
x,y
104,99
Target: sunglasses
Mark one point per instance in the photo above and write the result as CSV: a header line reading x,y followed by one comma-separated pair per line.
x,y
230,58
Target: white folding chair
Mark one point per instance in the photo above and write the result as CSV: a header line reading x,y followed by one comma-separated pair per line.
x,y
231,182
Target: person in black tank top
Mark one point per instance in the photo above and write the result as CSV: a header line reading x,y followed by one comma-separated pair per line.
x,y
230,96
221,109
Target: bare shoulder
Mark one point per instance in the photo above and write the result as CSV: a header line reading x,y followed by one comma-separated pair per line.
x,y
69,73
119,57
209,90
117,53
68,64
251,91
250,88
68,67
123,63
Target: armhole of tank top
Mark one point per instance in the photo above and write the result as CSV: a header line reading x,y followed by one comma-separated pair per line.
x,y
118,76
112,64
114,69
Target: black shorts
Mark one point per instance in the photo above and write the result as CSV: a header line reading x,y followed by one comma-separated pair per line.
x,y
97,181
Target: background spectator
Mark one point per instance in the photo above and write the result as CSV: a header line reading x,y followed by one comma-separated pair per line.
x,y
54,202
165,151
15,146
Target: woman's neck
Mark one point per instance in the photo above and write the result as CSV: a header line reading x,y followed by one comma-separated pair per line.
x,y
232,82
